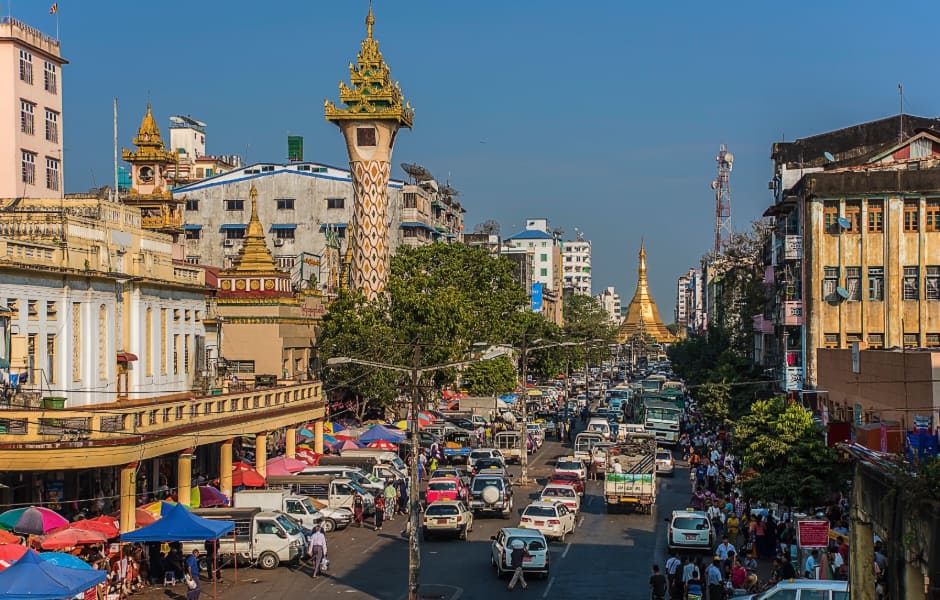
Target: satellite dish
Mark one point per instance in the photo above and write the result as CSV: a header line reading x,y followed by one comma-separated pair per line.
x,y
829,157
176,120
842,293
844,223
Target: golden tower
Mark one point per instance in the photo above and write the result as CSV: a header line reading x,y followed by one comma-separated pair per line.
x,y
374,111
642,314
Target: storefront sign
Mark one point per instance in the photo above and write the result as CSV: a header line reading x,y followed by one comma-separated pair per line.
x,y
812,534
792,247
312,309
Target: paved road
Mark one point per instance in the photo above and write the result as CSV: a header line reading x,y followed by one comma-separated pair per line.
x,y
608,556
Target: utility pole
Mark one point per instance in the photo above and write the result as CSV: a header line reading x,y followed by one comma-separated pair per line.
x,y
414,550
524,436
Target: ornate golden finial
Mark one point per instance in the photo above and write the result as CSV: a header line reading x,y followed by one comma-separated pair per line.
x,y
254,255
370,21
149,133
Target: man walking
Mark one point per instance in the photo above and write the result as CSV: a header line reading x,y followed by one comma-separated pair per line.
x,y
515,561
672,568
192,570
317,549
657,584
713,580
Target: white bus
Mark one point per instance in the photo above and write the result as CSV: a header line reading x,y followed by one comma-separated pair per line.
x,y
662,420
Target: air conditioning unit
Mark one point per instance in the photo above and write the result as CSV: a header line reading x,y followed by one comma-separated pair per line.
x,y
278,242
228,243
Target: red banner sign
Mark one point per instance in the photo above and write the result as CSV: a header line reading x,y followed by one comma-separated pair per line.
x,y
812,534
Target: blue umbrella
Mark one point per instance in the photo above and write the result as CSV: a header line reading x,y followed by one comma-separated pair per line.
x,y
31,578
306,433
61,559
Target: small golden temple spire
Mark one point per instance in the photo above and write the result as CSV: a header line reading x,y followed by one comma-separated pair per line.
x,y
254,255
370,21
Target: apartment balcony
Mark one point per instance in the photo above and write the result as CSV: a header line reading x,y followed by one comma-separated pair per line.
x,y
126,432
163,222
415,215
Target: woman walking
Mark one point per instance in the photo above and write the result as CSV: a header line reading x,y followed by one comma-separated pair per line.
x,y
358,508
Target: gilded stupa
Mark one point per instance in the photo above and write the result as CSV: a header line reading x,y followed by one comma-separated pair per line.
x,y
642,314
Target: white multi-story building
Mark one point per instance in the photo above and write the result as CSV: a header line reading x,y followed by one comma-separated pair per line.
x,y
545,247
690,307
31,110
610,300
576,258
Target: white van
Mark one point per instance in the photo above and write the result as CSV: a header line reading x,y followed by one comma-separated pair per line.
x,y
599,425
380,455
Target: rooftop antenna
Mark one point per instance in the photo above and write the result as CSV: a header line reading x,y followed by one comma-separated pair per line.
x,y
901,113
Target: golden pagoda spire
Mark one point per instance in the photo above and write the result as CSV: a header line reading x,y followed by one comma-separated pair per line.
x,y
642,314
370,21
149,133
254,255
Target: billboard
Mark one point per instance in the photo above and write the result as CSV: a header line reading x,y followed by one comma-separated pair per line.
x,y
536,296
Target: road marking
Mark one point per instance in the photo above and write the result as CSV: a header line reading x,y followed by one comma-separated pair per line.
x,y
567,547
580,521
548,588
374,544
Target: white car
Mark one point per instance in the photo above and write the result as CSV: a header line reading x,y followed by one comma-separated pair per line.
x,y
534,542
690,529
566,494
664,462
807,588
484,453
447,516
552,519
570,464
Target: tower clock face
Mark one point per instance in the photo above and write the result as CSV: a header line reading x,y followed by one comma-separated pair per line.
x,y
146,174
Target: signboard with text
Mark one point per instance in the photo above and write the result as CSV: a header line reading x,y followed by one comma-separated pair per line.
x,y
812,534
536,296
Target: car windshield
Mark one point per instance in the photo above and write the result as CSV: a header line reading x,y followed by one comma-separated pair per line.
x,y
308,506
288,524
489,463
539,511
559,492
479,455
696,523
565,476
442,486
534,544
663,456
441,510
357,488
479,484
569,465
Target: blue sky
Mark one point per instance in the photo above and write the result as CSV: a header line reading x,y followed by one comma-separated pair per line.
x,y
602,115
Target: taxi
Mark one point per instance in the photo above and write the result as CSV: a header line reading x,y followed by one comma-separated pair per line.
x,y
690,530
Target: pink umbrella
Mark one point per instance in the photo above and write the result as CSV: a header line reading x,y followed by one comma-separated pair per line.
x,y
35,520
108,527
68,538
383,445
346,445
290,465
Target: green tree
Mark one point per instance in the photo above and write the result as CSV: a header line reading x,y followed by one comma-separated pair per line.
x,y
491,377
714,402
787,453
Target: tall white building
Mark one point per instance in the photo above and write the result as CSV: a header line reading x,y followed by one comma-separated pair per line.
x,y
545,247
690,308
576,261
610,300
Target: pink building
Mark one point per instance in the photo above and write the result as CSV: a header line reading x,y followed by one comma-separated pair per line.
x,y
31,111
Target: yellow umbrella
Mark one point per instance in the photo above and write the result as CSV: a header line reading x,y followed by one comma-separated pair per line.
x,y
403,425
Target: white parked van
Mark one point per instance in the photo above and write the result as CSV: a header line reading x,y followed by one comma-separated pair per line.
x,y
599,425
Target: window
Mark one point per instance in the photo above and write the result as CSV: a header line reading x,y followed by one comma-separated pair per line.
x,y
341,202
830,283
876,223
102,342
932,283
32,309
876,284
853,214
52,310
76,341
852,337
50,358
933,214
31,358
911,340
26,66
911,216
193,234
176,354
192,204
831,216
50,78
285,203
234,205
365,136
543,272
932,340
853,283
194,260
235,233
911,283
52,126
27,124
52,174
186,353
176,315
543,257
162,341
28,163
876,340
148,337
284,234
830,340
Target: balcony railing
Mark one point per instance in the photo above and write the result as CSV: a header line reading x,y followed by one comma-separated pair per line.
x,y
163,222
108,424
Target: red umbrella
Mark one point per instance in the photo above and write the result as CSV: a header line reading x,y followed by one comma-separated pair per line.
x,y
247,478
68,538
241,466
10,553
8,538
344,438
144,517
383,445
106,525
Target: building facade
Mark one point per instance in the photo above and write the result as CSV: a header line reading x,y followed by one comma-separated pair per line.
x,y
547,280
31,135
188,143
610,300
430,213
576,261
855,255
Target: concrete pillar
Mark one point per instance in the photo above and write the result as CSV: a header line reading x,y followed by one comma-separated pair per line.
x,y
913,582
290,442
861,550
184,477
128,503
225,468
261,453
318,437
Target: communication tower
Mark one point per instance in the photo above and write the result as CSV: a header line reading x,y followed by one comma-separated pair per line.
x,y
722,187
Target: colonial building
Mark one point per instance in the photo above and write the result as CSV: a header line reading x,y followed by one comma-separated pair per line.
x,y
576,261
856,248
642,318
31,110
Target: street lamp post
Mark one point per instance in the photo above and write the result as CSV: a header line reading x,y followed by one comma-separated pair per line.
x,y
416,372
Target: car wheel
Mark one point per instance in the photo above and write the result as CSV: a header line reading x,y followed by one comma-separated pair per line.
x,y
561,538
328,525
268,560
462,534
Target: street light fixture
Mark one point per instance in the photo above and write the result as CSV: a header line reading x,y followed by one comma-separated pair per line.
x,y
417,372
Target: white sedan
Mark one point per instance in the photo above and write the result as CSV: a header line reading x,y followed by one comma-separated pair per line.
x,y
551,519
566,494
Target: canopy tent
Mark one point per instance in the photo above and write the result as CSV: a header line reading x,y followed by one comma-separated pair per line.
x,y
345,445
381,432
31,578
284,465
180,525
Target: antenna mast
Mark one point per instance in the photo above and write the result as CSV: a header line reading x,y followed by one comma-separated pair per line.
x,y
722,187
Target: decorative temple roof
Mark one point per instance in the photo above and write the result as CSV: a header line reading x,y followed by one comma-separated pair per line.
x,y
642,314
373,94
254,271
150,147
